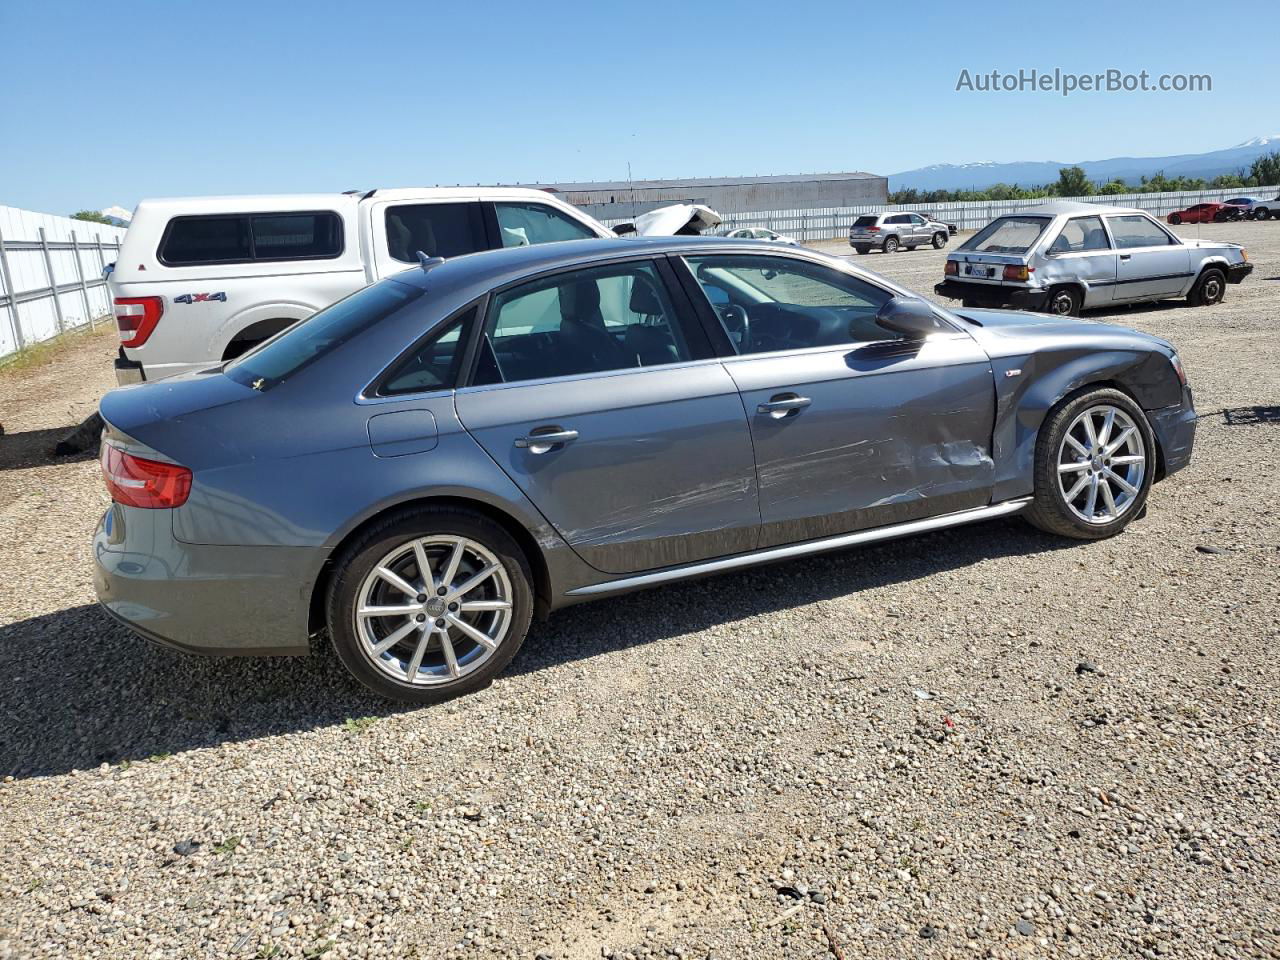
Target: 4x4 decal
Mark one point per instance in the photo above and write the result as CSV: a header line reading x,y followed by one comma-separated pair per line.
x,y
200,297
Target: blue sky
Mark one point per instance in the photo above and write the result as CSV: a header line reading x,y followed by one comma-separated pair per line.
x,y
106,103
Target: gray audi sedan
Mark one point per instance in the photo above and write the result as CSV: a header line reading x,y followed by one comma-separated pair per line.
x,y
423,467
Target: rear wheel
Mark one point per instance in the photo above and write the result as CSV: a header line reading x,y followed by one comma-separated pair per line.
x,y
939,241
1065,301
863,249
429,604
1209,289
890,244
1175,219
1094,465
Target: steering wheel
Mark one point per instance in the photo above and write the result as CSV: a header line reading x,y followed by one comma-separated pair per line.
x,y
737,324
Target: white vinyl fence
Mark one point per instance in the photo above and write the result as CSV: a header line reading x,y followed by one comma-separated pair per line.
x,y
51,275
827,223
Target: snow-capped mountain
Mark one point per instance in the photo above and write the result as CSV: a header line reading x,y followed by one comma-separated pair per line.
x,y
984,173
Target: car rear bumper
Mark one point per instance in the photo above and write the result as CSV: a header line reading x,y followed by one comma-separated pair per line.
x,y
1238,271
990,295
866,241
1175,430
202,598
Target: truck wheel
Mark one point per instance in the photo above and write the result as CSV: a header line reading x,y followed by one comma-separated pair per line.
x,y
890,244
429,604
1209,289
1095,459
1064,301
1175,218
939,241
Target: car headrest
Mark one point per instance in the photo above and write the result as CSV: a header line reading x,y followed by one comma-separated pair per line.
x,y
644,298
580,301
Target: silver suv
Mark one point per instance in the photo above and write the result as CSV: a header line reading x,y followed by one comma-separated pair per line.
x,y
889,231
1066,256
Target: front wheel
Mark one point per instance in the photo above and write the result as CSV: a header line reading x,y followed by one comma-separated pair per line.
x,y
429,604
1262,213
939,241
1175,219
1095,459
1209,289
890,244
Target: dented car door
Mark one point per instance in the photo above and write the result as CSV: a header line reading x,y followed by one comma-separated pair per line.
x,y
853,426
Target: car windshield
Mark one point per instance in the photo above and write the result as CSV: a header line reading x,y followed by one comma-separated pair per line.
x,y
281,357
1007,235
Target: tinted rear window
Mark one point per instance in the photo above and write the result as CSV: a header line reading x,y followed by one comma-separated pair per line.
x,y
248,238
865,221
312,338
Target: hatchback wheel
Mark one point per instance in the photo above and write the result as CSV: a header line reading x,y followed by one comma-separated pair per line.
x,y
1065,302
1208,290
890,244
1095,458
430,604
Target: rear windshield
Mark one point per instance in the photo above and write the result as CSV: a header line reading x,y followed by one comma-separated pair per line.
x,y
1007,235
865,221
250,238
283,356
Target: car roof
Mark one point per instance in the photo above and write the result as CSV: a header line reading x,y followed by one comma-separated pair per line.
x,y
493,268
1064,208
257,203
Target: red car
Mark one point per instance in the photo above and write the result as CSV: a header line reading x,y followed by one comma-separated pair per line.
x,y
1205,213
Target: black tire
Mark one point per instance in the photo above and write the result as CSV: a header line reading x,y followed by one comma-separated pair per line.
x,y
890,244
1064,302
862,249
1261,213
1175,218
1210,288
360,557
939,241
1049,510
971,304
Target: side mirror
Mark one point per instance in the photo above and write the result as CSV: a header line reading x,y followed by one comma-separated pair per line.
x,y
909,316
623,229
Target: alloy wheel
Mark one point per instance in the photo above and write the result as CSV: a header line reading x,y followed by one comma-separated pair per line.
x,y
433,610
1101,464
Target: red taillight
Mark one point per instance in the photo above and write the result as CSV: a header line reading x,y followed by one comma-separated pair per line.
x,y
951,269
1014,272
136,317
136,482
873,229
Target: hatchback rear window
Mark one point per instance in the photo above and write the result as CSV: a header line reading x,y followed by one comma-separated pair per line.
x,y
307,341
1007,235
248,238
865,221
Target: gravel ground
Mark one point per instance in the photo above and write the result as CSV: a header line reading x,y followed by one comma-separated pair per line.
x,y
984,742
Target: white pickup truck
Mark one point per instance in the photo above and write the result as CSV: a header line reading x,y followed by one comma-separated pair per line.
x,y
201,280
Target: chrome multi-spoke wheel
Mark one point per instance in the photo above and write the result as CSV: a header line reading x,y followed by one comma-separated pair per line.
x,y
1096,457
1101,464
433,610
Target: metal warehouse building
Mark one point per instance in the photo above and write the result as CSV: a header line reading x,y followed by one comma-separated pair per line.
x,y
728,195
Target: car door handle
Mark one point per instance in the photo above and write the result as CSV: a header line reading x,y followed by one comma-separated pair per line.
x,y
783,405
542,442
1125,256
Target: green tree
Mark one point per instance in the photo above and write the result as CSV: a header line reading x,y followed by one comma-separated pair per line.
x,y
1073,183
1266,169
92,216
1114,187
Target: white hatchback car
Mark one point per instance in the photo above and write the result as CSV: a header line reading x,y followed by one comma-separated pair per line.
x,y
201,280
